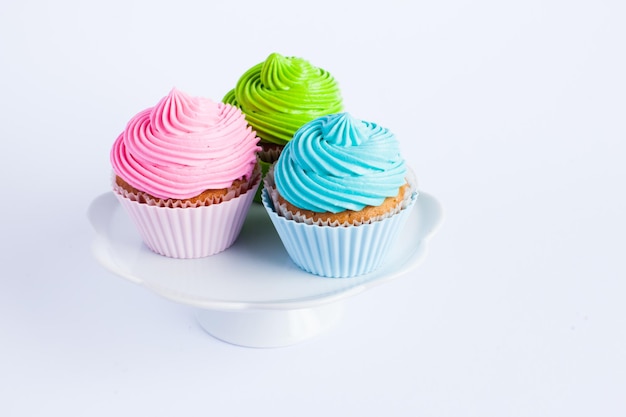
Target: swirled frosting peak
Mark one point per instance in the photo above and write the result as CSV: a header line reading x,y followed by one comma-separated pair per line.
x,y
337,162
183,146
282,93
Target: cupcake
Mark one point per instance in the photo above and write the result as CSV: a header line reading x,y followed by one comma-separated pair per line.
x,y
280,95
338,195
186,171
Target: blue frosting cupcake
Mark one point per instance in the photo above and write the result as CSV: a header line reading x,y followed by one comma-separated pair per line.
x,y
339,194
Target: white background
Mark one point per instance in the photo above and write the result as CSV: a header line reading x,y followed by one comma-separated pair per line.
x,y
511,114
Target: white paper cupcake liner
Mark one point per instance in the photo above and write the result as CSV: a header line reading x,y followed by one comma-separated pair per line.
x,y
190,232
269,156
339,251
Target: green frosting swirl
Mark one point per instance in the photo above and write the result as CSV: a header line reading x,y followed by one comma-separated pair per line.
x,y
281,94
336,163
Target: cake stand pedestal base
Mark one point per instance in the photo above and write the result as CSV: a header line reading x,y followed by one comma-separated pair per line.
x,y
269,328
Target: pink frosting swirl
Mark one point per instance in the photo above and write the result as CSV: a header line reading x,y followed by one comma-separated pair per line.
x,y
183,146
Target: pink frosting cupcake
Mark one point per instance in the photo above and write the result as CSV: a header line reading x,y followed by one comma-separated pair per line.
x,y
186,171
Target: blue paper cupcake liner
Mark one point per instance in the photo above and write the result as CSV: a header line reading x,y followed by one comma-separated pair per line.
x,y
338,251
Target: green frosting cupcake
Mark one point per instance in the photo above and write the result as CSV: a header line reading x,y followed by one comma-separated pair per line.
x,y
281,94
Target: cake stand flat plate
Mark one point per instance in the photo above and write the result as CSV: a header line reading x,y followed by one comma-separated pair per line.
x,y
255,273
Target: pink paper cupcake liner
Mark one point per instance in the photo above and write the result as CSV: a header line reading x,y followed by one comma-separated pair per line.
x,y
190,232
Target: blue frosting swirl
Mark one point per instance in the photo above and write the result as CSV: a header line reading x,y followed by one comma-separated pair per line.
x,y
337,162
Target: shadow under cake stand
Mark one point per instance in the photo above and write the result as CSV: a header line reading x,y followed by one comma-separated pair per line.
x,y
252,294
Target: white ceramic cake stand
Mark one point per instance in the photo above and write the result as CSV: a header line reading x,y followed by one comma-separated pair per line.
x,y
252,294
